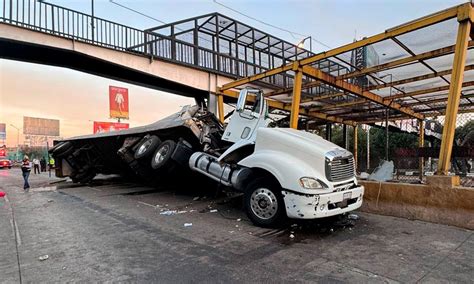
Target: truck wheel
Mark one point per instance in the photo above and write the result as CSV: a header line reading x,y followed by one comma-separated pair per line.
x,y
264,204
83,177
146,147
62,150
163,154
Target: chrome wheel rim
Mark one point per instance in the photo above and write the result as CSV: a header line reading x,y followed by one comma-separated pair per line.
x,y
144,147
263,203
161,154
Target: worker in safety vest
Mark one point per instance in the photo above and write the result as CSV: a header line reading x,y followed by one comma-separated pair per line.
x,y
51,165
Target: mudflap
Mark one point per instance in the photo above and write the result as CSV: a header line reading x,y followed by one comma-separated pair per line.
x,y
182,153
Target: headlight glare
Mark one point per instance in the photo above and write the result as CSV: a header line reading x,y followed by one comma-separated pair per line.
x,y
311,183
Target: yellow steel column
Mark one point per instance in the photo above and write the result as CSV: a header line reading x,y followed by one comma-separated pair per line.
x,y
355,146
454,96
220,107
295,102
421,143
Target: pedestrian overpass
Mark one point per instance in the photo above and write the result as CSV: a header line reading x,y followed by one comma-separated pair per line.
x,y
189,57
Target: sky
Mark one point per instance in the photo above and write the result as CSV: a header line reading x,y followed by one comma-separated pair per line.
x,y
77,98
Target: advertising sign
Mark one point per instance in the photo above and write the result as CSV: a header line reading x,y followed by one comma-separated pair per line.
x,y
3,131
101,127
40,126
118,102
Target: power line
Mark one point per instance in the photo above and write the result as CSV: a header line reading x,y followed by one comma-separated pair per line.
x,y
150,17
138,12
292,33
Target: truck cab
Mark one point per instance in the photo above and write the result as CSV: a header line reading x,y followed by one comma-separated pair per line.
x,y
282,172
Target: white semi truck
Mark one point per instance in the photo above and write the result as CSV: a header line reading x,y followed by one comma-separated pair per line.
x,y
282,172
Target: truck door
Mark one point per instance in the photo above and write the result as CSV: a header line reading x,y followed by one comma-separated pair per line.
x,y
244,122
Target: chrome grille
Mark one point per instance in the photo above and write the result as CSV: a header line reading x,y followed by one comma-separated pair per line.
x,y
340,169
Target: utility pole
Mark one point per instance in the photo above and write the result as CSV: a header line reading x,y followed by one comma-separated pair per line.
x,y
92,20
368,148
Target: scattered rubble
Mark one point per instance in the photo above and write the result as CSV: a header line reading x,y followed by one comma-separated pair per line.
x,y
188,224
168,212
43,257
353,216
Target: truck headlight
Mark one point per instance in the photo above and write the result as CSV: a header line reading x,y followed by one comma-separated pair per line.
x,y
311,183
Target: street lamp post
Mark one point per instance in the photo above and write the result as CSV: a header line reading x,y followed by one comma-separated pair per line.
x,y
92,20
301,43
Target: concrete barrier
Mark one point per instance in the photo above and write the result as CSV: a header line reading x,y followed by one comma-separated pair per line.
x,y
451,206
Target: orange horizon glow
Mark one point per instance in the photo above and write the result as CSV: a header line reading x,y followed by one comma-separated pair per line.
x,y
75,98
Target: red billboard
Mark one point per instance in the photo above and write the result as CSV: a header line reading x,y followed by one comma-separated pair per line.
x,y
118,102
101,127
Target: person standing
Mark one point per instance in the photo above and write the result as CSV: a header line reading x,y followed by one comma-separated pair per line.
x,y
43,164
26,169
36,165
51,165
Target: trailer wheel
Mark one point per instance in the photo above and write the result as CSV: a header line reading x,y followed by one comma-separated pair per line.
x,y
62,150
83,177
162,155
264,204
146,147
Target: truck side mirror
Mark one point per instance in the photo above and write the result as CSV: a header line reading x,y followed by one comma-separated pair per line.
x,y
241,101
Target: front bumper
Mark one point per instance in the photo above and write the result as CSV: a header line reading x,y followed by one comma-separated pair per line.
x,y
312,206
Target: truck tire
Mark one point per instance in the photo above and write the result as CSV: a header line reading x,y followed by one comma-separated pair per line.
x,y
83,177
162,155
264,203
146,147
62,150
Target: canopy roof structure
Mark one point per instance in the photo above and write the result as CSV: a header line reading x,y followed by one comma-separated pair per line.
x,y
234,49
407,70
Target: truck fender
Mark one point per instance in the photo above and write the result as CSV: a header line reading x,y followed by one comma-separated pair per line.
x,y
284,167
232,149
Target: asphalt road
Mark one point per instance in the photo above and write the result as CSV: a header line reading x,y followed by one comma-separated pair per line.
x,y
118,231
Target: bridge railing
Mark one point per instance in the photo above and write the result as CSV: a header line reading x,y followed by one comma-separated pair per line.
x,y
64,22
60,21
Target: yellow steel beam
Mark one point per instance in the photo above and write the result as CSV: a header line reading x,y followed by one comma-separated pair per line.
x,y
465,13
427,102
421,143
425,91
404,117
256,77
322,97
396,31
457,77
356,90
295,102
290,89
220,107
345,104
418,78
287,107
402,61
356,156
434,114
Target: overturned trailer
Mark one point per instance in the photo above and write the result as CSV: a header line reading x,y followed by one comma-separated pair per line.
x,y
282,172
